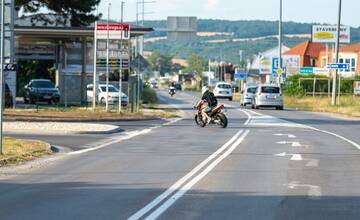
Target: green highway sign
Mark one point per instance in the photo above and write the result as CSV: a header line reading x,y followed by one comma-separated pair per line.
x,y
306,70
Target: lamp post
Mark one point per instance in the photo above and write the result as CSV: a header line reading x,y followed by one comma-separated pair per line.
x,y
335,74
95,59
107,61
280,40
121,60
2,35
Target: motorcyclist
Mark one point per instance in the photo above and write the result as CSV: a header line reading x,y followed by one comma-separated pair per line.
x,y
209,98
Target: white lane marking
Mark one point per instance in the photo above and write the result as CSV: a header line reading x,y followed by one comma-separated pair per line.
x,y
288,135
295,157
180,182
353,143
123,137
248,115
293,143
312,162
314,190
189,185
255,113
335,135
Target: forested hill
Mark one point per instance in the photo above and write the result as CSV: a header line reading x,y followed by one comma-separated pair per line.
x,y
248,29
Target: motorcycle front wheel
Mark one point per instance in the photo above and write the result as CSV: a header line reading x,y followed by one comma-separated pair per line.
x,y
223,121
199,121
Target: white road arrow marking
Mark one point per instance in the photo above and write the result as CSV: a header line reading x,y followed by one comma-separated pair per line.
x,y
314,190
288,135
296,157
293,143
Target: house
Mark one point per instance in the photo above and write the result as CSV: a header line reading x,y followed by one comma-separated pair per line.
x,y
308,53
349,54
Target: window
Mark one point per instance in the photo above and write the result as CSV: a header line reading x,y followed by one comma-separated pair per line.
x,y
89,88
251,90
324,62
271,90
353,65
348,62
43,84
111,89
224,86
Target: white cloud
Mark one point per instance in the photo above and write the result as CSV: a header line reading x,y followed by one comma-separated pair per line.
x,y
212,3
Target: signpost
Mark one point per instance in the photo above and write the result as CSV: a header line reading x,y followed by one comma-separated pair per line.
x,y
357,88
339,66
314,70
240,76
328,34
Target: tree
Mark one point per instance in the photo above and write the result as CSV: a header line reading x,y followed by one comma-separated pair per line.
x,y
160,63
196,64
76,12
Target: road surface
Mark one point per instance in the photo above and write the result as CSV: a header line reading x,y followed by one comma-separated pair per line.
x,y
266,165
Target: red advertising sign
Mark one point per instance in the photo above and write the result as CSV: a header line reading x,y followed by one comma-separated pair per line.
x,y
116,31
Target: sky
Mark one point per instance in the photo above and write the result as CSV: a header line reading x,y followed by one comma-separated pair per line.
x,y
320,11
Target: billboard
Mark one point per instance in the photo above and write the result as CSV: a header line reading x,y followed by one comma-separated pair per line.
x,y
328,34
116,31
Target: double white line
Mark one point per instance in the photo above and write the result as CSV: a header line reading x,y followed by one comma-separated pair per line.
x,y
160,204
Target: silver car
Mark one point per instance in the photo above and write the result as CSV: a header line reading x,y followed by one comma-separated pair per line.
x,y
268,96
247,95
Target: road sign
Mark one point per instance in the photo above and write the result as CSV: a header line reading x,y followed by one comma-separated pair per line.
x,y
328,33
306,70
280,71
275,64
240,76
116,31
10,67
357,88
114,63
341,66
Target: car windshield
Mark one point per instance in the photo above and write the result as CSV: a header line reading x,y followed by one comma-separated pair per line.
x,y
224,86
270,89
111,89
251,90
42,84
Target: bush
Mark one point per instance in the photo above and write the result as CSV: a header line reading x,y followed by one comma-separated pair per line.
x,y
148,96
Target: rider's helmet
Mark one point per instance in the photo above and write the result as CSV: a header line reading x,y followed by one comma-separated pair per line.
x,y
204,89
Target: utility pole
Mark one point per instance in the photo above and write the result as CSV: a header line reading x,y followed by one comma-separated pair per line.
x,y
95,59
121,60
335,74
280,40
107,61
2,35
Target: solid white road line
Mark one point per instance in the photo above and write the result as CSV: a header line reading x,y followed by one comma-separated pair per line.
x,y
180,182
196,179
353,143
314,190
123,137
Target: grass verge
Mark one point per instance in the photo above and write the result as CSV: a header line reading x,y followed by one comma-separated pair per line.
x,y
349,105
17,151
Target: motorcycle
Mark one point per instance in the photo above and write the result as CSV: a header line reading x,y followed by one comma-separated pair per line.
x,y
215,116
172,91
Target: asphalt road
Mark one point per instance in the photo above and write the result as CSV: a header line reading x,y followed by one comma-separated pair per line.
x,y
266,165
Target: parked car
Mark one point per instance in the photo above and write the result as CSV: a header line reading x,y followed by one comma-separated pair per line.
x,y
101,94
223,90
268,96
8,97
247,95
178,86
154,85
41,90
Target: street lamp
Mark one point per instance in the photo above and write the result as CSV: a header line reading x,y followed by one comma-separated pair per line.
x,y
280,40
2,35
107,61
335,74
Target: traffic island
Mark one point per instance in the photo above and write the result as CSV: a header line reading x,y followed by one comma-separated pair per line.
x,y
17,151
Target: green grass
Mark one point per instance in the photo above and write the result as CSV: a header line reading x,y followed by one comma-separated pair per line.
x,y
349,105
17,151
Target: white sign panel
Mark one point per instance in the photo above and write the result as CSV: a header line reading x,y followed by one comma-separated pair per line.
x,y
116,31
328,34
357,88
